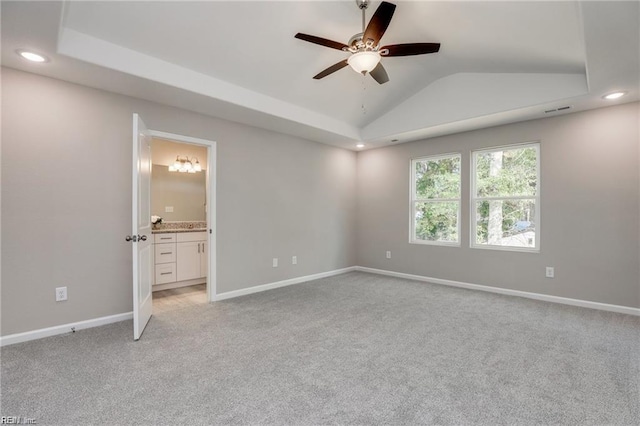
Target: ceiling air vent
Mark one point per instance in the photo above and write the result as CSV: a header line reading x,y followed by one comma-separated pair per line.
x,y
564,108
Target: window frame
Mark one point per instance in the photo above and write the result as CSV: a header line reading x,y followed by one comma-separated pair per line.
x,y
474,198
413,200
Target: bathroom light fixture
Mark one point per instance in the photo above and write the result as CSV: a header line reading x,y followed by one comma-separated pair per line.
x,y
32,56
185,165
365,61
614,95
360,145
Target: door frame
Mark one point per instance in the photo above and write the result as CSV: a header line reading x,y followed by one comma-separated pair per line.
x,y
211,182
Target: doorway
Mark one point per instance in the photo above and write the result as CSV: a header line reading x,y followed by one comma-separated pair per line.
x,y
142,236
183,217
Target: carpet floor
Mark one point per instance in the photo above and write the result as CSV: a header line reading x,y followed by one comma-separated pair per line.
x,y
355,349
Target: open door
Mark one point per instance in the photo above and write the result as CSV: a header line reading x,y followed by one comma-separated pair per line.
x,y
142,237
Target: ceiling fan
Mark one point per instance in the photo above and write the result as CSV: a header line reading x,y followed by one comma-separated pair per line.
x,y
365,48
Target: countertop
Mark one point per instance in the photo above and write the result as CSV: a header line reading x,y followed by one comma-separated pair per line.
x,y
178,231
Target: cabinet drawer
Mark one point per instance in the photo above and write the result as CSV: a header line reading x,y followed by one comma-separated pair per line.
x,y
164,238
165,253
187,237
165,273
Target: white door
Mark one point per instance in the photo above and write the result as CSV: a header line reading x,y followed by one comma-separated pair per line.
x,y
142,238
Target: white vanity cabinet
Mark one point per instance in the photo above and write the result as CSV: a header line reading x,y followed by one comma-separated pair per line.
x,y
180,258
191,258
165,258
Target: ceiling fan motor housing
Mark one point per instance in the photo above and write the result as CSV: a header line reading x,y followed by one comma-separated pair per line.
x,y
356,44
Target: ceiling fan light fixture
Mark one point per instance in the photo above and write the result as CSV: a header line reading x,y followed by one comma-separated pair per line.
x,y
363,62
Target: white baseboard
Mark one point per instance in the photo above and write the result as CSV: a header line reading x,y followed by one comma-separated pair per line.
x,y
277,284
67,328
63,329
537,296
178,284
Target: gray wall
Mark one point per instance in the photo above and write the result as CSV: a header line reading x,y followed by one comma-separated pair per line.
x,y
66,204
589,209
66,200
185,192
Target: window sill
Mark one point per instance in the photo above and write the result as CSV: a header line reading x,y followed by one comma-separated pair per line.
x,y
434,243
506,248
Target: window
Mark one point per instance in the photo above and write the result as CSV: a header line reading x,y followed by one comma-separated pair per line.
x,y
505,198
435,200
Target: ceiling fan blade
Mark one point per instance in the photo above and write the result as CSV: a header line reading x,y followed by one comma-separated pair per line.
x,y
410,49
321,41
379,74
333,68
379,22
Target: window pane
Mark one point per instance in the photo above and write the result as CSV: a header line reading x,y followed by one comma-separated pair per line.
x,y
438,178
507,172
436,221
508,223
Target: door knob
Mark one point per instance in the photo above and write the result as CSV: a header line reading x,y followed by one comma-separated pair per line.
x,y
142,237
130,238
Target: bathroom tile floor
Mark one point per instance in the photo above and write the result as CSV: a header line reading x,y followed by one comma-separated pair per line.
x,y
179,298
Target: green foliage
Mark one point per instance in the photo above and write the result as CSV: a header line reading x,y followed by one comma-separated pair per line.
x,y
437,221
515,176
438,178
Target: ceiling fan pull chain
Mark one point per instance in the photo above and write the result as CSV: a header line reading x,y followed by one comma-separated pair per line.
x,y
364,94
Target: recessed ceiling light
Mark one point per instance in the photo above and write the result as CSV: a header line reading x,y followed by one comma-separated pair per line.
x,y
32,56
614,95
360,145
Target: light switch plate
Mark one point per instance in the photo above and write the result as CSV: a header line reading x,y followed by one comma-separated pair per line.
x,y
168,209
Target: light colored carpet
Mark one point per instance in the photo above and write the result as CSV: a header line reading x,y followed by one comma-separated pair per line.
x,y
351,349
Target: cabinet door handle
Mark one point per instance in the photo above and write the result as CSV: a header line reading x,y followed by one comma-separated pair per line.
x,y
198,247
166,273
166,238
166,252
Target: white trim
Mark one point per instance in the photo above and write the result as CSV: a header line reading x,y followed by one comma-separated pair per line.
x,y
278,284
179,284
536,296
12,339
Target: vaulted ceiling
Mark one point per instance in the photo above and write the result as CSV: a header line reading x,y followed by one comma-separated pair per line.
x,y
499,62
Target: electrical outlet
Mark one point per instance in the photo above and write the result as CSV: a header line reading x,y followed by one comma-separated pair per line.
x,y
168,209
388,254
294,260
61,294
550,272
275,262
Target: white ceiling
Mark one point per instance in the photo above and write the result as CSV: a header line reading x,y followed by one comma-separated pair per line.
x,y
499,62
